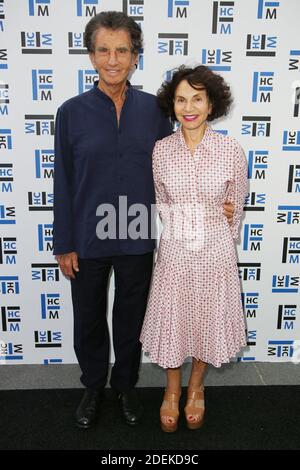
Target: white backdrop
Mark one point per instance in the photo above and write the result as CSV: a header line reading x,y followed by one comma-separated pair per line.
x,y
255,45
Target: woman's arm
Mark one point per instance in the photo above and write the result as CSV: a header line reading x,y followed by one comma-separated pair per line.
x,y
238,189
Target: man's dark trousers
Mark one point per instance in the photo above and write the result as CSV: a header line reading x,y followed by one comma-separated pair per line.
x,y
91,334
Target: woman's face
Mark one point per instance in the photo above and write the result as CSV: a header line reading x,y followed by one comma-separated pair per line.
x,y
191,106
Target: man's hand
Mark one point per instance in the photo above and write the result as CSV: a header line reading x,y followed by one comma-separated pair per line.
x,y
68,264
228,211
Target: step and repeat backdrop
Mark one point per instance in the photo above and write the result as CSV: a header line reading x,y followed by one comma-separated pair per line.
x,y
255,45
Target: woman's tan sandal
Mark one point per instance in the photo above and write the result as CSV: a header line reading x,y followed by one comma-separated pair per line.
x,y
169,411
195,408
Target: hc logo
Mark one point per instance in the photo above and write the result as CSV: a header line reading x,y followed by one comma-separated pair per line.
x,y
249,271
5,139
134,9
7,215
141,59
294,62
251,338
288,214
253,236
36,43
294,179
285,284
222,13
216,59
76,43
261,45
42,84
86,79
2,15
45,272
40,201
39,7
50,306
267,9
9,285
39,124
10,319
168,75
259,126
44,164
4,99
138,87
10,352
177,8
3,59
250,303
281,348
257,164
6,177
291,141
173,43
286,317
291,250
52,361
86,8
45,237
255,202
246,359
47,339
222,131
8,250
262,87
296,101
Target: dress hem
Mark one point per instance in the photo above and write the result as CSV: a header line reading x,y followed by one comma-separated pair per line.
x,y
176,365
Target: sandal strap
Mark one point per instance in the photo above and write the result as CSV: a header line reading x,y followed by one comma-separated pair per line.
x,y
195,395
170,404
195,404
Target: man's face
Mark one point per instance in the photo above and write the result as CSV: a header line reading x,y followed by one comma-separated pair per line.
x,y
112,56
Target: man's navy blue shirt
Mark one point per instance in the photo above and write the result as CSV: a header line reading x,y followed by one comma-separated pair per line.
x,y
96,161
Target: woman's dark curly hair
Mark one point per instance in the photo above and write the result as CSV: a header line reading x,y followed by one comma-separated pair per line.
x,y
217,90
113,20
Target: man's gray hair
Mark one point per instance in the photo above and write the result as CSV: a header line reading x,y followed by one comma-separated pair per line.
x,y
113,20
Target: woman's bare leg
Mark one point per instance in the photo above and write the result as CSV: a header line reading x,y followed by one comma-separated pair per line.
x,y
173,386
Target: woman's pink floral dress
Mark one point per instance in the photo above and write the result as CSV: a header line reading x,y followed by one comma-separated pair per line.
x,y
194,306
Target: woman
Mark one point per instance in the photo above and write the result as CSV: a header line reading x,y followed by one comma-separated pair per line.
x,y
194,308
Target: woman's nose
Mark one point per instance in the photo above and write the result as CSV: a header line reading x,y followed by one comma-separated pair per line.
x,y
188,106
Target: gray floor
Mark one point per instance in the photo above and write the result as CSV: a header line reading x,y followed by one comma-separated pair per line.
x,y
68,376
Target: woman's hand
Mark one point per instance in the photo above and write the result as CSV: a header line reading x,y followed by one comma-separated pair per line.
x,y
228,211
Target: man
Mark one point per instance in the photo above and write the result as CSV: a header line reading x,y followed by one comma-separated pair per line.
x,y
103,146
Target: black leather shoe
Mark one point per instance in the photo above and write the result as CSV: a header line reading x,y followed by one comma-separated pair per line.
x,y
131,407
86,412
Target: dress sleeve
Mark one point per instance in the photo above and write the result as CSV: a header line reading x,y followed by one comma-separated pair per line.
x,y
238,189
63,216
161,197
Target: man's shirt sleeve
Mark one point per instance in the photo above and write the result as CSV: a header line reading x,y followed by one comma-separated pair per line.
x,y
165,127
63,210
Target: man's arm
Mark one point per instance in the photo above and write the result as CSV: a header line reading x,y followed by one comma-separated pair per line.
x,y
63,246
63,167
